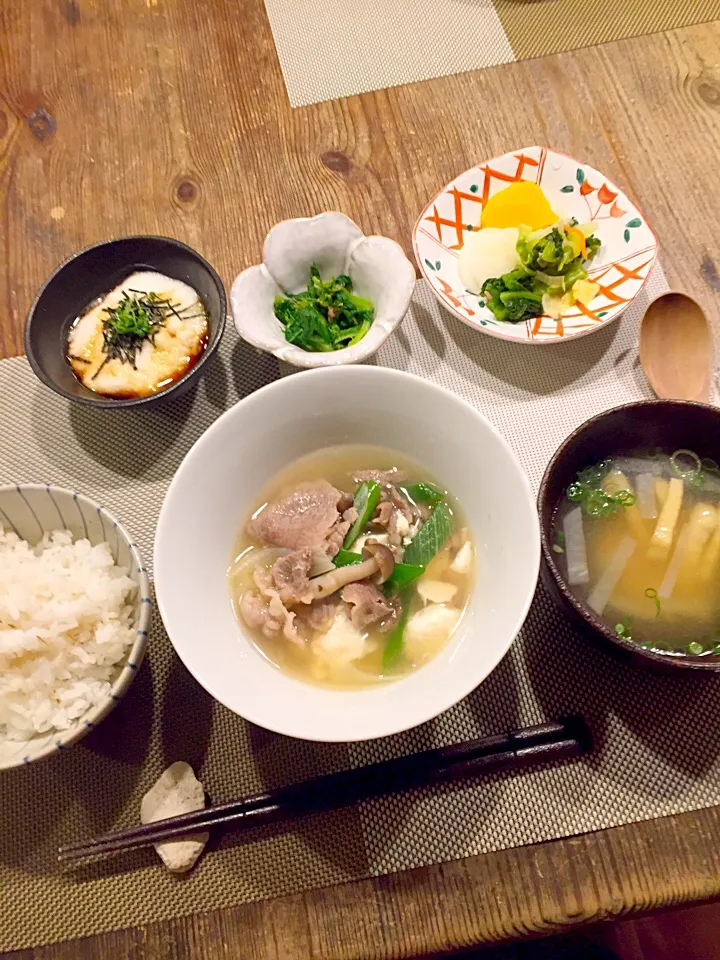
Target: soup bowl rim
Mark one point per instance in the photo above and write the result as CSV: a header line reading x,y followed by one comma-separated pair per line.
x,y
325,703
548,502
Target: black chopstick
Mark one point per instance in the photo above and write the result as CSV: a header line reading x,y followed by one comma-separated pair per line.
x,y
514,750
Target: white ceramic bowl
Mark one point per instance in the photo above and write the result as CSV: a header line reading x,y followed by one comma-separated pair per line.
x,y
574,189
377,266
32,510
218,483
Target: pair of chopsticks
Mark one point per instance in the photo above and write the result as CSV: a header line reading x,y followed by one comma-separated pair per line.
x,y
561,740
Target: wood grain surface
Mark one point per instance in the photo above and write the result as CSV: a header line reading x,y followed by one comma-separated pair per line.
x,y
171,117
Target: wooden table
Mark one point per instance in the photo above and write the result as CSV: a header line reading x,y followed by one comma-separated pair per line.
x,y
161,116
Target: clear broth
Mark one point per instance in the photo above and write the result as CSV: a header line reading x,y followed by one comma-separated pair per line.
x,y
335,464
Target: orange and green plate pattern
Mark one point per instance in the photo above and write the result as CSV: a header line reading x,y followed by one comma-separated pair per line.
x,y
574,189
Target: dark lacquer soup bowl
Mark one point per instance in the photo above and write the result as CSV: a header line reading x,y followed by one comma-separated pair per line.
x,y
627,431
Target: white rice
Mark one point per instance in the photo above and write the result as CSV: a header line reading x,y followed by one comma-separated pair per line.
x,y
66,620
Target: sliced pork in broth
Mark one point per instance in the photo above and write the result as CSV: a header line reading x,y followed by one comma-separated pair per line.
x,y
355,568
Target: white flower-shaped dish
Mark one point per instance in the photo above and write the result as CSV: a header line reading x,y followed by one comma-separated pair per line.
x,y
379,270
621,266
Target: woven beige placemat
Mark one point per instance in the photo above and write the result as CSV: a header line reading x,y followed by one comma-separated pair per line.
x,y
657,738
330,50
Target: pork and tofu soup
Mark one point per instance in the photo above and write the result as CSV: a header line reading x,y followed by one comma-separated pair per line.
x,y
354,568
639,538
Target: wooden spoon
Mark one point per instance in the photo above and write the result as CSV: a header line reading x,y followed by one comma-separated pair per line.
x,y
676,348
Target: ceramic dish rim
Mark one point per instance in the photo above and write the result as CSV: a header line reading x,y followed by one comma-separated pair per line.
x,y
530,342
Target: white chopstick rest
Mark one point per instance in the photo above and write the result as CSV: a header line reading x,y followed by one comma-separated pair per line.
x,y
176,791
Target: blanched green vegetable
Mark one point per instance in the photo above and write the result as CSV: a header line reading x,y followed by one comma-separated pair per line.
x,y
344,558
421,493
431,537
394,643
402,576
327,316
367,497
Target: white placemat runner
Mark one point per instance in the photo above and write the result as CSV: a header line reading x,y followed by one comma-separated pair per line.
x,y
328,51
657,738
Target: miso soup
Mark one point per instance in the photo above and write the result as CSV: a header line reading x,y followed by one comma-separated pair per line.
x,y
639,541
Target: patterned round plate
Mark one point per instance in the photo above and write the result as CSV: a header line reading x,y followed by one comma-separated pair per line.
x,y
621,266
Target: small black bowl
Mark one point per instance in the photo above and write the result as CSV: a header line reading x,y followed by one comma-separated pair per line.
x,y
90,274
666,424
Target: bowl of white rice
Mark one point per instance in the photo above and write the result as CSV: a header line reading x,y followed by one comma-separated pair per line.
x,y
75,610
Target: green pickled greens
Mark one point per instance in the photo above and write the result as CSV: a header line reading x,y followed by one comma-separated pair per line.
x,y
513,296
327,316
551,262
558,253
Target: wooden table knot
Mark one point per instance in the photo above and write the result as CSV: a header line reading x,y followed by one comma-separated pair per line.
x,y
186,191
42,124
337,162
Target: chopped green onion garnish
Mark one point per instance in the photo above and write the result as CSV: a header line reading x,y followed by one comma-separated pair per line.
x,y
686,464
652,594
595,502
624,628
695,648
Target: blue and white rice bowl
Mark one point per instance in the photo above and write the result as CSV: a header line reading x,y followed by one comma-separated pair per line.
x,y
31,511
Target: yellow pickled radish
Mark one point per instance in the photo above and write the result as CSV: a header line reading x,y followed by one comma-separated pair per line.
x,y
584,291
522,204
